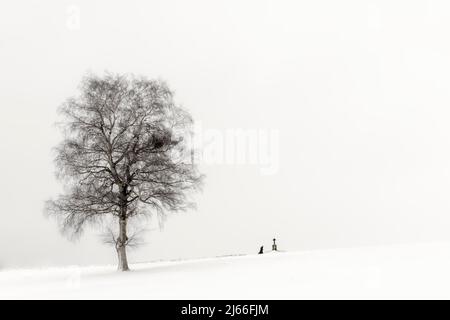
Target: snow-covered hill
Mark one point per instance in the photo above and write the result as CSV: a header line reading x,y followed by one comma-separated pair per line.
x,y
418,271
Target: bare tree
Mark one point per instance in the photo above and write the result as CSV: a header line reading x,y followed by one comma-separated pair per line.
x,y
123,156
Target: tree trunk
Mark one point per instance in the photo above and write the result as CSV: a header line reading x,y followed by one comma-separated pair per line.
x,y
122,246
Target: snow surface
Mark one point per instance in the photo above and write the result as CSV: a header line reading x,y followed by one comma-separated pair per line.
x,y
401,271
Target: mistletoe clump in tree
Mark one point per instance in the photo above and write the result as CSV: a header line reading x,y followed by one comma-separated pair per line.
x,y
123,156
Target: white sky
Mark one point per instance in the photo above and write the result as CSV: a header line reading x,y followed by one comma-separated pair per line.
x,y
358,90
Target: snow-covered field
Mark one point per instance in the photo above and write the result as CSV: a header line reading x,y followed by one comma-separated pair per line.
x,y
401,271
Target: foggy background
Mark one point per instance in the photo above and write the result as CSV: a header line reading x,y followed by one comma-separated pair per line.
x,y
358,91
